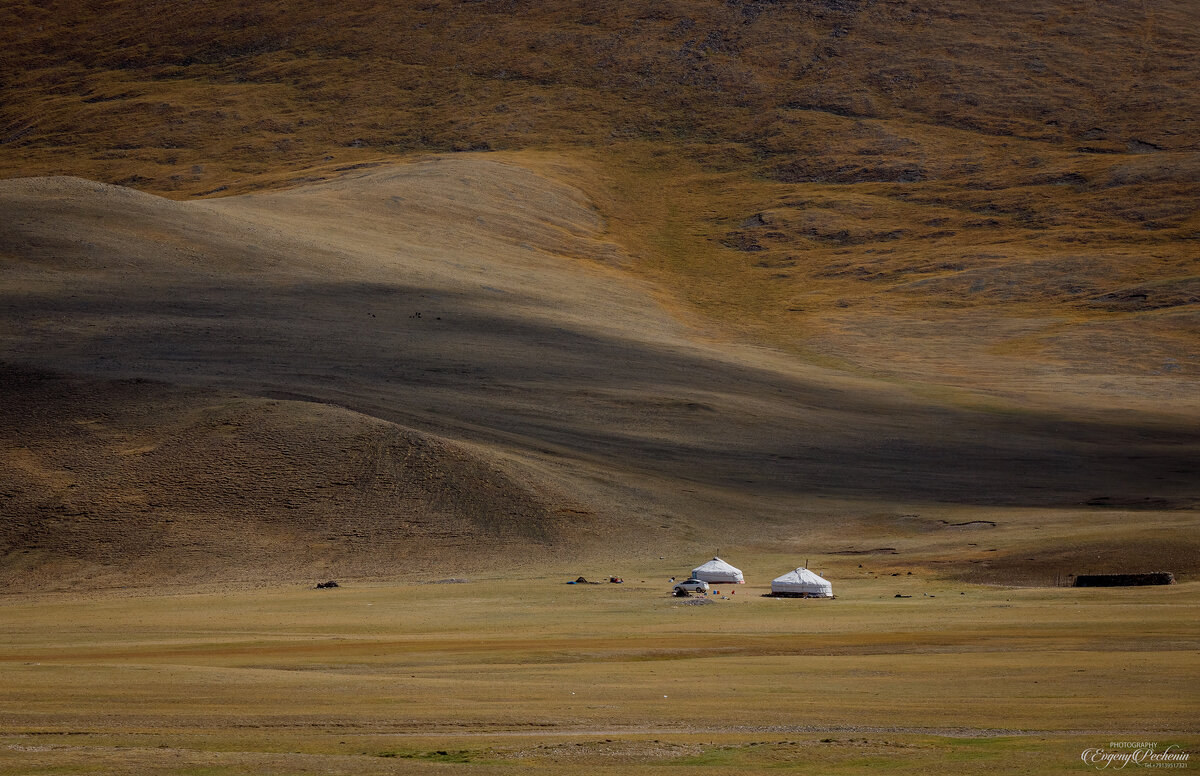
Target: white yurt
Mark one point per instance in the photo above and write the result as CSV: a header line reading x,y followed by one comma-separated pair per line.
x,y
802,582
717,570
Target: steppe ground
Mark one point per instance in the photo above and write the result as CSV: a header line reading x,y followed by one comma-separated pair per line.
x,y
522,671
517,291
441,370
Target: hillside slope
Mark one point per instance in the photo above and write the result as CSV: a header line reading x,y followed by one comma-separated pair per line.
x,y
825,275
482,303
263,89
125,483
965,193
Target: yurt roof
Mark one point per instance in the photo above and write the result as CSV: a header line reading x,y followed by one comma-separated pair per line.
x,y
802,576
716,564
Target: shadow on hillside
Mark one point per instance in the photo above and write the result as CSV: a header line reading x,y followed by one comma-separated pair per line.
x,y
476,367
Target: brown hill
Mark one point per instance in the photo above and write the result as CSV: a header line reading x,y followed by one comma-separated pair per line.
x,y
477,312
115,483
265,88
965,193
964,231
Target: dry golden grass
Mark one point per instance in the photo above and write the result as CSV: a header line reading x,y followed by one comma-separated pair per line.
x,y
502,673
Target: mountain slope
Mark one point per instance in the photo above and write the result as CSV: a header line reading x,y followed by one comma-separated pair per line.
x,y
129,482
477,310
786,271
963,193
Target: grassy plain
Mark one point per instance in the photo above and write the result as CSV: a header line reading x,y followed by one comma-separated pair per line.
x,y
497,673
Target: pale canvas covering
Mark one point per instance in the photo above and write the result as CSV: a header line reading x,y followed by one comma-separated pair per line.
x,y
717,570
802,581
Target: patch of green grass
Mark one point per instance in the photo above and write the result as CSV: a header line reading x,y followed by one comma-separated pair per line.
x,y
716,756
439,756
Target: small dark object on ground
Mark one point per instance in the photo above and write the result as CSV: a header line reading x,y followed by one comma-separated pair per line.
x,y
616,580
582,581
325,585
901,595
1125,580
681,593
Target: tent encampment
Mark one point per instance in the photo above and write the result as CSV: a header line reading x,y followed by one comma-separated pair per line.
x,y
717,570
802,583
